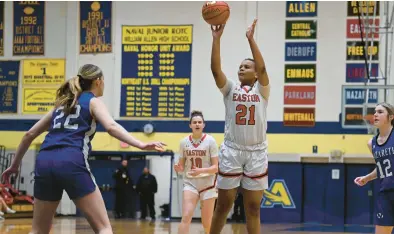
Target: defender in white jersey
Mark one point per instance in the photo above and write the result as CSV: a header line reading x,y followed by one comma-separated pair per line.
x,y
198,160
243,155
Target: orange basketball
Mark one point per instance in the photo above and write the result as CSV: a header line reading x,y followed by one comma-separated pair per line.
x,y
215,13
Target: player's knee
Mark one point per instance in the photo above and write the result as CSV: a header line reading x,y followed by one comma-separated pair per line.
x,y
252,209
223,206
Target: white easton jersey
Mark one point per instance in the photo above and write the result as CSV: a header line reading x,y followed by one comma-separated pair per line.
x,y
246,114
198,153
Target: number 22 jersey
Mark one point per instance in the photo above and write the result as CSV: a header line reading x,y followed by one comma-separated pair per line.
x,y
384,158
75,130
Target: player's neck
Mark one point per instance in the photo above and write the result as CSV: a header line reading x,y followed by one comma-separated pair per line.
x,y
385,131
197,135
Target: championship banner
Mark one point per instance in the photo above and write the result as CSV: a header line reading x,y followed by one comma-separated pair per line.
x,y
357,72
43,72
301,8
95,24
357,96
160,86
29,28
38,100
9,76
353,29
299,95
354,115
2,28
300,51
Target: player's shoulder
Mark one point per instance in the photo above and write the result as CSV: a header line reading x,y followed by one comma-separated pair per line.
x,y
184,140
209,137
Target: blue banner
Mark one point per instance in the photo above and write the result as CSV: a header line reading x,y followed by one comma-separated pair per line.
x,y
300,51
301,8
356,72
2,29
357,96
29,28
9,74
95,27
156,71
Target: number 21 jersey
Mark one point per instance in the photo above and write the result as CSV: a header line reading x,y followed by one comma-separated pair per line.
x,y
384,158
74,130
246,113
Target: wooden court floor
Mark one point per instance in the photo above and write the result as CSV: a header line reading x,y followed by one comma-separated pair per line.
x,y
77,225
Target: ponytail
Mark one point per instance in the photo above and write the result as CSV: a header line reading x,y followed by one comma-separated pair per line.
x,y
68,93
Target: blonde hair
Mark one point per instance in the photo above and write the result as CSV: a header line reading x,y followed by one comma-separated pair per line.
x,y
389,108
196,113
68,93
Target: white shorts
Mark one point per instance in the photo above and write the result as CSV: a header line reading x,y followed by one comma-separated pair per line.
x,y
204,187
248,169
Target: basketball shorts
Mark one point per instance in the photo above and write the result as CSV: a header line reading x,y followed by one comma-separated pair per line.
x,y
245,168
384,210
61,169
204,187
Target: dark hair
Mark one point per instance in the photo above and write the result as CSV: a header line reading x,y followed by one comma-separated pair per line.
x,y
196,113
68,93
249,59
389,108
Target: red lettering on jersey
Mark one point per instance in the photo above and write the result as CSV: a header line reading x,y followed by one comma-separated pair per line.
x,y
196,152
246,97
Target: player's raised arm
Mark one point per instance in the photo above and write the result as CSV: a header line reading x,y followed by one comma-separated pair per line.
x,y
260,68
216,66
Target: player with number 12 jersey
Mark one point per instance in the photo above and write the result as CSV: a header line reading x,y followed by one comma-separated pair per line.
x,y
382,149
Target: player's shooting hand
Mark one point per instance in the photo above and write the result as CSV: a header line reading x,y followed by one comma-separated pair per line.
x,y
361,180
251,28
217,30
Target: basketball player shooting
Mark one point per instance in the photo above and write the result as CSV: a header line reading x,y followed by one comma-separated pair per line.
x,y
243,154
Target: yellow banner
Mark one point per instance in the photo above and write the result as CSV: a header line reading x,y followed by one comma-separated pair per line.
x,y
38,101
43,71
157,34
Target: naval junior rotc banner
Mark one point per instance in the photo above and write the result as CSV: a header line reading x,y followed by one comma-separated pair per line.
x,y
9,76
2,28
301,8
367,8
156,71
301,29
355,50
29,28
95,27
43,71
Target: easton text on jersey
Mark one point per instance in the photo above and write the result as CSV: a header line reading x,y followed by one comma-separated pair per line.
x,y
195,152
389,151
246,97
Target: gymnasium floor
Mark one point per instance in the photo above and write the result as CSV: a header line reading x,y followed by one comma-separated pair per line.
x,y
71,225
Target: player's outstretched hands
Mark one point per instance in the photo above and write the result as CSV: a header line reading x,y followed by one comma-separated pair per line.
x,y
361,180
157,145
250,30
217,30
178,167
